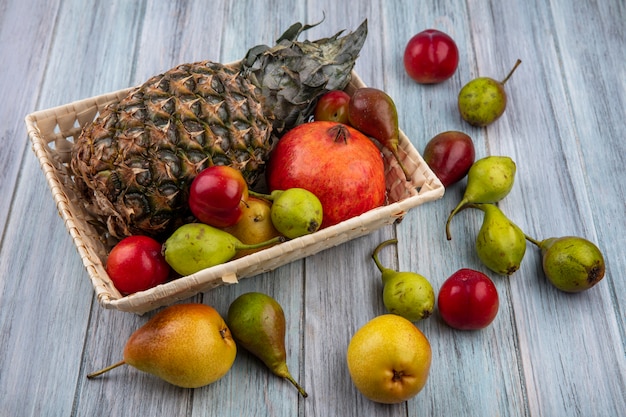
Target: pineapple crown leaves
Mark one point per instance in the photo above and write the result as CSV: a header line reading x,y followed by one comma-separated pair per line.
x,y
292,75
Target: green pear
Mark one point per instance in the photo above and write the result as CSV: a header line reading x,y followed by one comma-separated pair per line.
x,y
295,212
196,246
489,180
406,294
187,345
257,322
500,243
571,263
483,100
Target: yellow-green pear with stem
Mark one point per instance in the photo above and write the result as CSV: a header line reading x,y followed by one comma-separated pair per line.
x,y
406,294
196,246
258,324
489,180
571,263
295,212
483,100
188,345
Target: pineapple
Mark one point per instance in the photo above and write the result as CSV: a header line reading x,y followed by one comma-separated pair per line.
x,y
133,165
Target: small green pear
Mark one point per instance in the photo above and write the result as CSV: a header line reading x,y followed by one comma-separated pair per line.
x,y
483,100
188,345
196,246
571,263
489,180
406,294
257,323
500,243
295,212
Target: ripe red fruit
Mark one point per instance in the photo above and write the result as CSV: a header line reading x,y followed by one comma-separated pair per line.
x,y
431,57
333,107
336,162
468,300
217,196
450,156
136,264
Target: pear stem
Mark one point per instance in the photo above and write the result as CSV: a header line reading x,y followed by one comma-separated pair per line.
x,y
461,206
519,61
298,387
381,268
272,241
108,368
535,241
404,170
261,195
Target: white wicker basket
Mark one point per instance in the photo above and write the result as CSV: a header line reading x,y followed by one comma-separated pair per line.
x,y
52,132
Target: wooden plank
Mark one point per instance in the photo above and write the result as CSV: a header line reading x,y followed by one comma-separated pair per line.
x,y
599,142
563,340
47,303
468,367
22,73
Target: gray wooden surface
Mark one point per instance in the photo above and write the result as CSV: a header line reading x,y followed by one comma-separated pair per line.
x,y
547,353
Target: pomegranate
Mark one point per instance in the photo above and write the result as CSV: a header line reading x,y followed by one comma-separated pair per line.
x,y
334,161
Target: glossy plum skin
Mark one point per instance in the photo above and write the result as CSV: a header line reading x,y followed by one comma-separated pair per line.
x,y
136,264
217,195
450,155
333,107
431,57
468,300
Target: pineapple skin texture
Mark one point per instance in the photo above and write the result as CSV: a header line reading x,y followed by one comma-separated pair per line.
x,y
133,166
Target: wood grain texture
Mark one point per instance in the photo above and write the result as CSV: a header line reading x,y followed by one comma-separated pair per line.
x,y
34,36
547,353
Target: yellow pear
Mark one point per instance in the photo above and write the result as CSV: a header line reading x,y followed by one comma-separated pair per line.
x,y
187,345
389,359
255,225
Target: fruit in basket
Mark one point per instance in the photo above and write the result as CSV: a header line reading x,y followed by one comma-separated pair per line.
x,y
255,225
571,263
468,300
389,359
500,243
337,163
489,180
257,322
295,212
196,246
217,196
431,57
133,165
136,264
373,112
406,294
333,107
483,100
450,155
187,345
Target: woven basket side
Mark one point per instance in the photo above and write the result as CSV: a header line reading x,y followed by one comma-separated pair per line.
x,y
52,133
